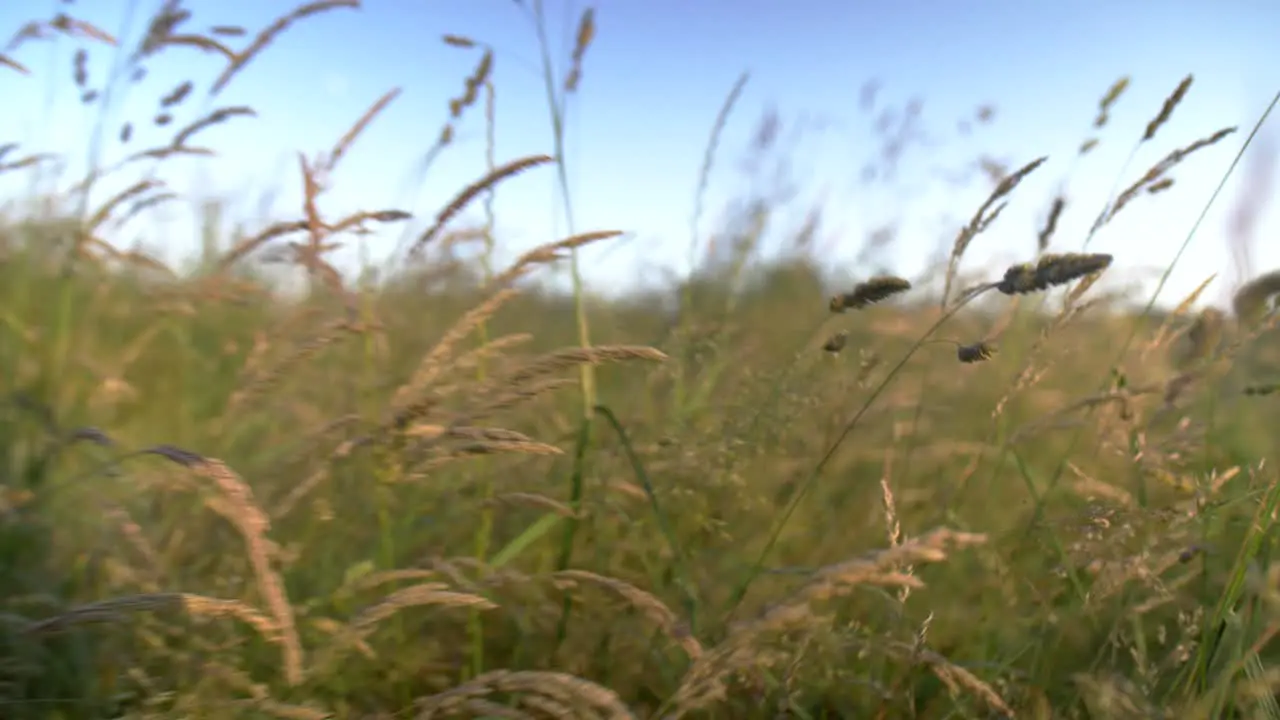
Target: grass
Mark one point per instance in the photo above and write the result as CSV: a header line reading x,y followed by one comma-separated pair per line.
x,y
755,493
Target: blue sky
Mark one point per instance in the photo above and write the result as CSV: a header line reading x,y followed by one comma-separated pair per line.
x,y
653,82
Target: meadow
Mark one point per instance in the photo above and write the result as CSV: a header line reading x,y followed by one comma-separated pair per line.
x,y
445,490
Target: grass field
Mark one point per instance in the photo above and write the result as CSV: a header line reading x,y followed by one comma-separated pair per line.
x,y
451,492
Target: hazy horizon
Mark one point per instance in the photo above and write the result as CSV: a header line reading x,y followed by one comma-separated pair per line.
x,y
653,81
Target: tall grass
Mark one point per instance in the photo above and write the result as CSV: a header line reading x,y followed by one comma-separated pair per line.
x,y
384,498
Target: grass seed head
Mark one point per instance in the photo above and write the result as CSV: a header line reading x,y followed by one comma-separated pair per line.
x,y
1166,110
869,292
1109,100
975,353
836,343
1051,223
1051,271
586,33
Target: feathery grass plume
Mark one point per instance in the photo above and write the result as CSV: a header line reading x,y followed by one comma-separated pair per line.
x,y
478,79
892,524
427,594
981,220
235,503
177,146
536,501
1120,396
269,33
200,42
549,253
977,352
373,580
79,29
215,117
544,693
1155,176
704,182
161,26
12,64
1051,223
470,192
705,680
1166,110
869,292
574,356
136,208
648,605
586,33
1051,270
114,610
508,397
836,343
24,162
422,462
276,230
348,138
1165,333
257,380
955,677
103,213
1251,301
1109,100
435,361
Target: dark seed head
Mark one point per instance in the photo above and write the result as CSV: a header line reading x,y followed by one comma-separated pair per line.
x,y
976,352
836,343
869,292
1051,270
